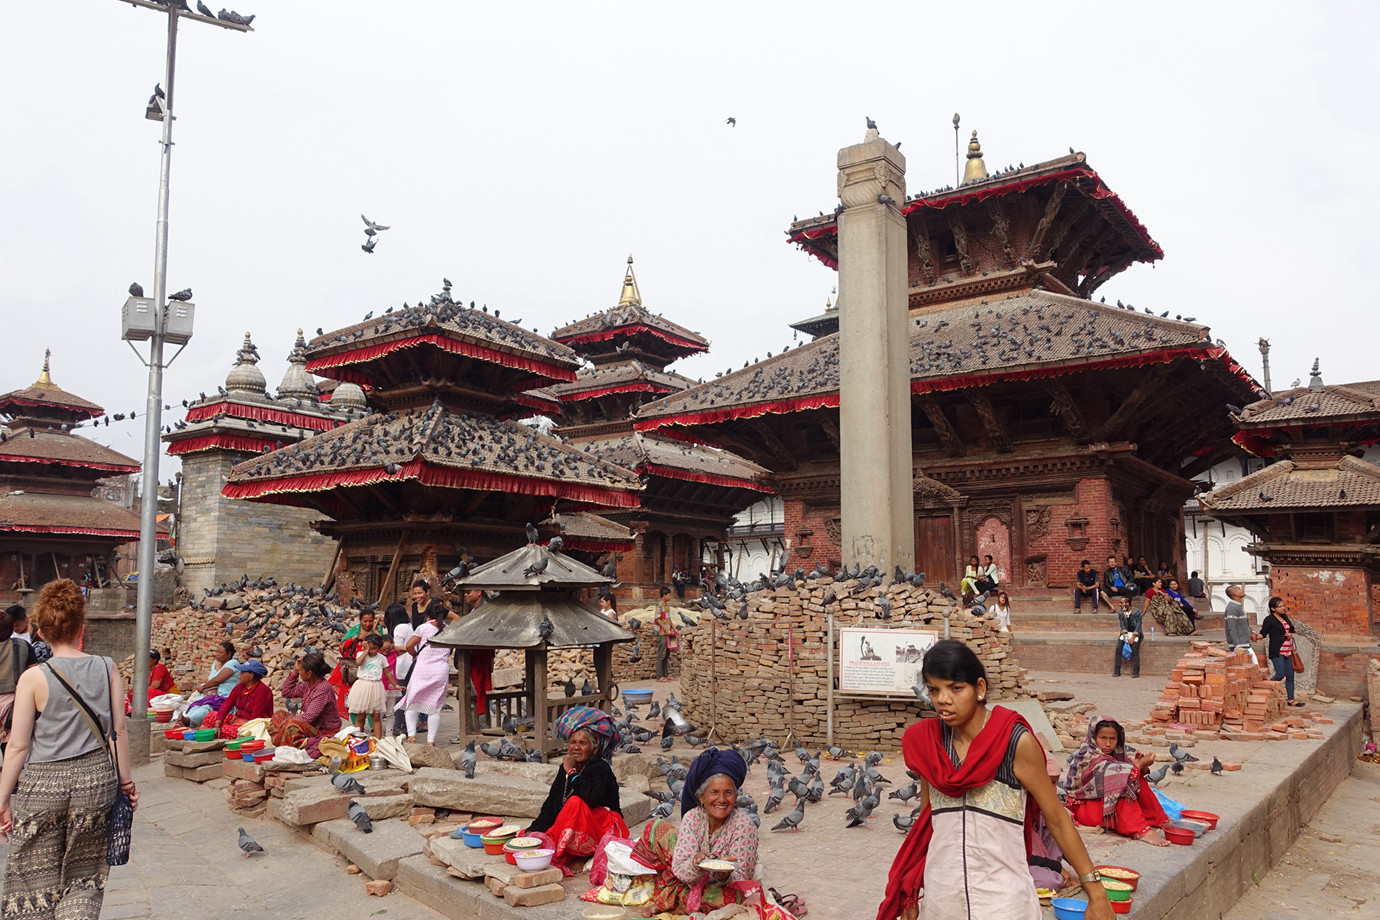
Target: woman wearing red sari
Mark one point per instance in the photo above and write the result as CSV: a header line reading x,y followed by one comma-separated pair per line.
x,y
583,803
251,699
983,780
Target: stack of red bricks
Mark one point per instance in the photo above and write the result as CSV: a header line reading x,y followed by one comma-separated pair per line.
x,y
247,798
1212,690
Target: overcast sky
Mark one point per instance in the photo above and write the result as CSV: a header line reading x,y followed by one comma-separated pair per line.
x,y
524,150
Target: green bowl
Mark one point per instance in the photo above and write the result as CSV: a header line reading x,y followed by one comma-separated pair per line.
x,y
204,734
1117,890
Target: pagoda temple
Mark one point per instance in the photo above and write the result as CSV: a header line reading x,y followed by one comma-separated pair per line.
x,y
51,525
1315,510
1047,426
220,539
692,492
442,464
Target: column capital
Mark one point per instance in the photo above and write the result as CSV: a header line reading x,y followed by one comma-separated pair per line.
x,y
869,170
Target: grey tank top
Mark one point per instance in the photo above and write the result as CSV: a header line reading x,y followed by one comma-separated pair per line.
x,y
61,732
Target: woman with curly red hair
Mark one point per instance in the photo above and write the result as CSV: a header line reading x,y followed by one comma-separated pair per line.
x,y
56,813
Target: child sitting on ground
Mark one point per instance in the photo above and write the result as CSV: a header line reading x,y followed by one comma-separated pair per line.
x,y
367,697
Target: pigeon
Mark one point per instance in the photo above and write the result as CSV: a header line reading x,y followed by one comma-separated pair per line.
x,y
1180,756
136,290
905,793
536,568
371,228
249,845
731,122
491,750
872,125
570,688
860,812
1176,768
369,245
181,296
546,629
357,815
663,810
531,534
792,820
1216,767
1156,775
774,800
204,10
347,784
468,760
588,689
902,824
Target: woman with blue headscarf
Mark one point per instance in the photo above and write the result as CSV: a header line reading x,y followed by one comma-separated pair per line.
x,y
712,827
583,803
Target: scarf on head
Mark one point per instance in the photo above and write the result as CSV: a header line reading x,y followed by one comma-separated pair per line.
x,y
595,721
923,747
712,761
1094,775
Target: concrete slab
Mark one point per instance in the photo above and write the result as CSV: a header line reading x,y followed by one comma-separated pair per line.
x,y
382,807
1034,713
487,793
636,806
464,900
378,853
472,862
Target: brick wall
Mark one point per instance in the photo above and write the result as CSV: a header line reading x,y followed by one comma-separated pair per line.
x,y
1335,601
224,538
800,516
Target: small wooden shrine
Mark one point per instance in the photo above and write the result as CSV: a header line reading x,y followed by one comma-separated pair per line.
x,y
536,609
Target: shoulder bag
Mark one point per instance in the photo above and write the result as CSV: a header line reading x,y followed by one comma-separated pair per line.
x,y
121,810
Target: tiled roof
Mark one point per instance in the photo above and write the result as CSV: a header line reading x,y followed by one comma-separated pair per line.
x,y
1032,332
586,526
659,456
396,446
41,512
1289,485
627,318
1302,406
444,318
50,396
64,449
625,375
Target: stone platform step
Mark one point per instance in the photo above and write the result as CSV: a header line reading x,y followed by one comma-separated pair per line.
x,y
1053,618
1090,650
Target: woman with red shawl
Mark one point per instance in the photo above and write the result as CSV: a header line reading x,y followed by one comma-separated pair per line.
x,y
583,803
1104,786
983,780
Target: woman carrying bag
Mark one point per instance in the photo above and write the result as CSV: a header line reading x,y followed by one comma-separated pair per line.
x,y
57,814
1279,630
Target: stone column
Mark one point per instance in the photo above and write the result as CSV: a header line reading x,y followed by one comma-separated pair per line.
x,y
878,505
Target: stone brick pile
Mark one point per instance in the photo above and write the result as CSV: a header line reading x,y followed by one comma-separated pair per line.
x,y
769,672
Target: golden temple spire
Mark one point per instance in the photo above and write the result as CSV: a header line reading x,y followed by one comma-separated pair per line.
x,y
976,169
45,380
630,297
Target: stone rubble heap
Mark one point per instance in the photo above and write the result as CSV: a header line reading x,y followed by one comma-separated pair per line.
x,y
769,672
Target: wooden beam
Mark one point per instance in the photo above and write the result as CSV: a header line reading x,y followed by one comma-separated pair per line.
x,y
382,497
325,579
942,427
995,432
392,569
1132,403
1066,407
960,238
774,444
1070,220
830,429
1001,226
1035,251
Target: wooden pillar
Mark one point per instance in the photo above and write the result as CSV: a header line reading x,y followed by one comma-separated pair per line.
x,y
536,669
603,672
464,698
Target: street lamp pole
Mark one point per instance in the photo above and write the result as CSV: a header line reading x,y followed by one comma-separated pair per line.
x,y
153,412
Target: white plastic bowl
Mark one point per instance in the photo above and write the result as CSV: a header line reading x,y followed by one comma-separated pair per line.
x,y
533,860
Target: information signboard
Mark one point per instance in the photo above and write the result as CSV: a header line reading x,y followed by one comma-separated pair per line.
x,y
881,661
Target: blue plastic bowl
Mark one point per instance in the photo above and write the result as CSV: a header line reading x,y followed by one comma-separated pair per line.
x,y
1069,908
189,736
637,696
471,840
248,757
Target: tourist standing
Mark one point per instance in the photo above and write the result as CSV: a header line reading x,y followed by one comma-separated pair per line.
x,y
1086,586
1236,623
425,607
56,812
608,606
966,861
667,636
1279,630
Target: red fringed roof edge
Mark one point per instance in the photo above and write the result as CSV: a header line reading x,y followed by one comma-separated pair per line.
x,y
606,334
442,477
731,482
336,363
640,387
111,467
89,412
943,384
75,530
223,441
260,413
962,197
597,546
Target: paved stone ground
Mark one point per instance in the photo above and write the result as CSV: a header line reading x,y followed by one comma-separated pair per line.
x,y
1330,869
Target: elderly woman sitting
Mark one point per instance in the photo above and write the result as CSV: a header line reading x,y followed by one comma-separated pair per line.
x,y
712,828
251,699
319,716
583,803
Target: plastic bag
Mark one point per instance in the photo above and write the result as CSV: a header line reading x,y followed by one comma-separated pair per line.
x,y
610,843
1174,809
1126,651
290,755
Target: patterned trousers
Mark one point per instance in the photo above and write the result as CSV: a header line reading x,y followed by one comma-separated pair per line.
x,y
56,868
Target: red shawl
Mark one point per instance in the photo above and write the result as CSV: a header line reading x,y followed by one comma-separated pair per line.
x,y
923,747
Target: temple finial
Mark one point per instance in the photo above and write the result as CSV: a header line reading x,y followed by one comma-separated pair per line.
x,y
1315,381
630,297
45,380
976,168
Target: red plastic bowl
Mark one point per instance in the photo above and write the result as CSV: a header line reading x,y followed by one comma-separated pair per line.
x,y
1204,817
1180,835
162,715
173,734
1122,907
